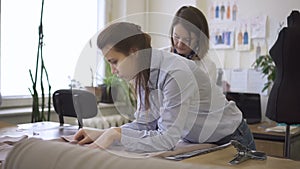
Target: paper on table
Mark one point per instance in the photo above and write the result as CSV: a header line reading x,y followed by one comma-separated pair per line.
x,y
44,125
281,129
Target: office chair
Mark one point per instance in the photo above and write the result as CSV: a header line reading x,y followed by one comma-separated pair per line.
x,y
284,103
74,103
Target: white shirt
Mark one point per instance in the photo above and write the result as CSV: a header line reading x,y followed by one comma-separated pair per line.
x,y
206,64
183,105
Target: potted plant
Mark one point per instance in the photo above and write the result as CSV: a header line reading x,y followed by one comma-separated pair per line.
x,y
106,88
113,82
38,109
267,66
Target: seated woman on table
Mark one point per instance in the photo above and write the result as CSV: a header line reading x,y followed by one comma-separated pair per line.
x,y
175,98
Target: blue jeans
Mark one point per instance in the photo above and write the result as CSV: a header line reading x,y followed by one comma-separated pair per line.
x,y
242,134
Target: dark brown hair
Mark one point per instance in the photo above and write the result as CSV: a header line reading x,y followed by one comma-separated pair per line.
x,y
124,36
193,20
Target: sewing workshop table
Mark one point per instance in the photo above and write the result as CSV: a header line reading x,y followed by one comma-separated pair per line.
x,y
217,160
45,130
272,143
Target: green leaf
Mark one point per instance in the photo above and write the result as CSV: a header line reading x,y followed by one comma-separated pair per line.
x,y
267,66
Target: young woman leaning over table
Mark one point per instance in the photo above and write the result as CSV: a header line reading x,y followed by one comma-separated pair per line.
x,y
175,98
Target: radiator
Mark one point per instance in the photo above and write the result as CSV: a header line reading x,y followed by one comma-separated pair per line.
x,y
104,122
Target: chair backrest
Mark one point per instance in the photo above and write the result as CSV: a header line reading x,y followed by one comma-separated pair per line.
x,y
249,104
74,103
284,103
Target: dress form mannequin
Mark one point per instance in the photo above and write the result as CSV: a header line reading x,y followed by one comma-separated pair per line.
x,y
284,103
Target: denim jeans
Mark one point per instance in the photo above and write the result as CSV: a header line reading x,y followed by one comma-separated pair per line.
x,y
242,134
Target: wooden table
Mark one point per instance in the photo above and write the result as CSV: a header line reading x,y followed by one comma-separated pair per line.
x,y
215,160
273,142
219,159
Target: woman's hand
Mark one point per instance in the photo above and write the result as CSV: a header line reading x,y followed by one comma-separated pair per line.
x,y
86,136
107,138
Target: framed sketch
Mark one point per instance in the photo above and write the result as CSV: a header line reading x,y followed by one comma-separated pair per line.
x,y
222,36
243,38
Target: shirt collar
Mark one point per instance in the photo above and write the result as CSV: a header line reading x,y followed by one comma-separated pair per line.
x,y
189,56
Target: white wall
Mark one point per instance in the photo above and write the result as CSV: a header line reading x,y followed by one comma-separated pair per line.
x,y
160,20
153,15
276,10
161,12
157,23
126,10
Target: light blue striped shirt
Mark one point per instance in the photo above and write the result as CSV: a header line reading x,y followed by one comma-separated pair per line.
x,y
184,104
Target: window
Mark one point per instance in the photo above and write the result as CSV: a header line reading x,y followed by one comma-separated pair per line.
x,y
67,25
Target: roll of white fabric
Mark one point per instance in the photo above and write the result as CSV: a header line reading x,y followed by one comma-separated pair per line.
x,y
40,154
